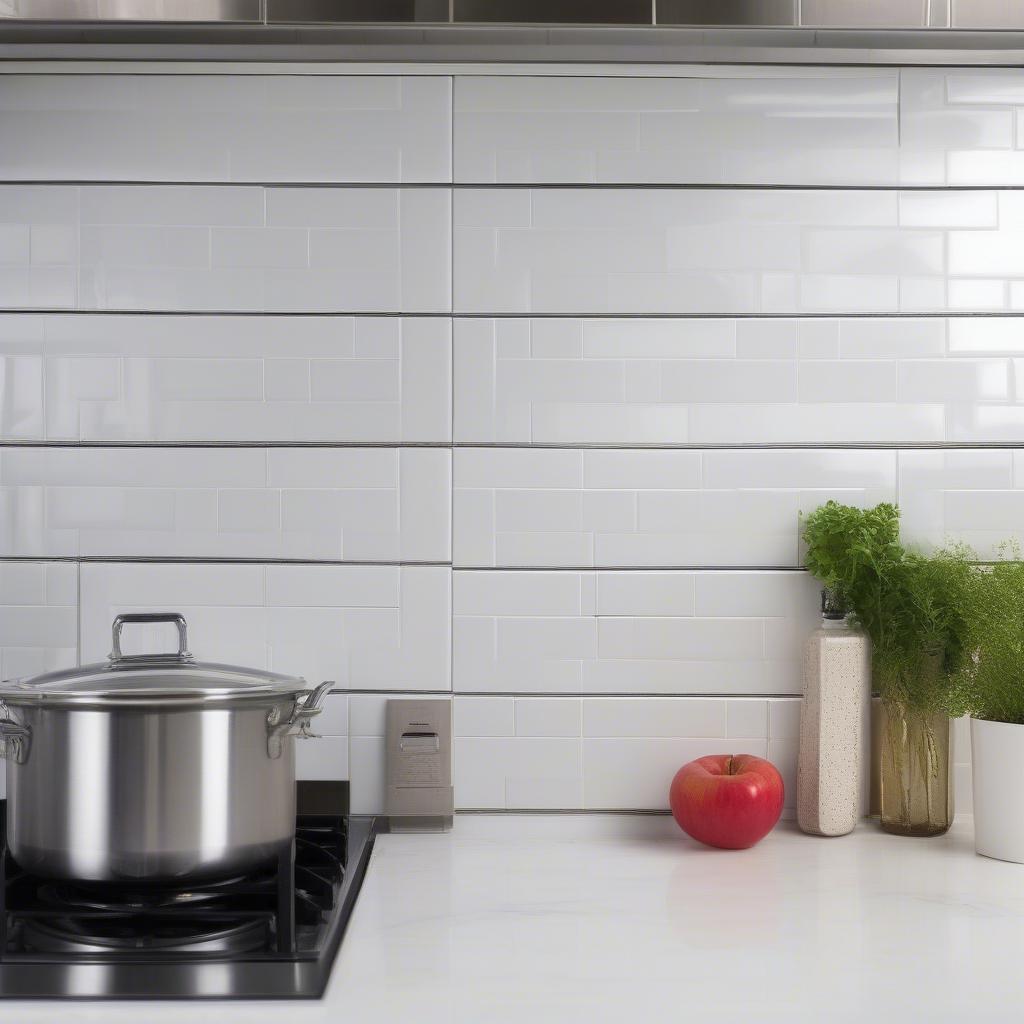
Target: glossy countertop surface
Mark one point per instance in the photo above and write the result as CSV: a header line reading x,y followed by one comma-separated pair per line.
x,y
588,918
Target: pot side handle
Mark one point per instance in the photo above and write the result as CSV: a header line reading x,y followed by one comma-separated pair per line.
x,y
15,738
306,706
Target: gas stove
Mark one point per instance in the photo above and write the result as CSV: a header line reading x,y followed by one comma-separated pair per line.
x,y
272,935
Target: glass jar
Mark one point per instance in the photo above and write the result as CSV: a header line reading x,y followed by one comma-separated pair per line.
x,y
916,771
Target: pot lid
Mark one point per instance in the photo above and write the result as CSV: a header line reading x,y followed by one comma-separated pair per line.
x,y
151,679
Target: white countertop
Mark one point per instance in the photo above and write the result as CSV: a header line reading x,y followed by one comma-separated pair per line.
x,y
579,918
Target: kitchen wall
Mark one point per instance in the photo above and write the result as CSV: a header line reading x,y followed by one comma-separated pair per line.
x,y
511,386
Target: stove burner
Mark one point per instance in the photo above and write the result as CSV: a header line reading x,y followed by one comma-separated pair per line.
x,y
123,934
72,896
272,933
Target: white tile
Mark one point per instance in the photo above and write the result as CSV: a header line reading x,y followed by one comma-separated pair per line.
x,y
526,507
802,126
518,593
38,617
343,504
227,128
367,769
645,593
848,380
548,716
955,380
484,716
512,634
783,719
747,718
517,773
608,251
333,719
367,714
165,247
322,758
986,334
967,495
783,754
636,773
365,627
653,716
110,378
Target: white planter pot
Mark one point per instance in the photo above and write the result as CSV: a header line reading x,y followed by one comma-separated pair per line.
x,y
997,756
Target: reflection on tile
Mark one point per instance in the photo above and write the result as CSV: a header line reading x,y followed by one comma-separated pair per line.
x,y
800,126
365,627
139,377
313,128
38,618
641,633
238,248
613,507
354,504
727,380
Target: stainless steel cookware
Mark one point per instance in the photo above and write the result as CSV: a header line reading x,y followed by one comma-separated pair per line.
x,y
152,768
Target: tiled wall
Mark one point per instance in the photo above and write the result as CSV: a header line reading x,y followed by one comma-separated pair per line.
x,y
506,386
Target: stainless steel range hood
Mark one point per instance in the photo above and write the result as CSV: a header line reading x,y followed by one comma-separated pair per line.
x,y
862,14
857,32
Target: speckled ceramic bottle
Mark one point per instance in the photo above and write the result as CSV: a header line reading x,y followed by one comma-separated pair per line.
x,y
835,722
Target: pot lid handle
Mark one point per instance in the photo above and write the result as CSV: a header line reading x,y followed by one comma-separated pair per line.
x,y
175,617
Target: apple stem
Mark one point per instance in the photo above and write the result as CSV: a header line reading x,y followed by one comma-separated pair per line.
x,y
730,767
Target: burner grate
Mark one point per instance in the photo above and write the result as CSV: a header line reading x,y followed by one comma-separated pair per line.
x,y
276,913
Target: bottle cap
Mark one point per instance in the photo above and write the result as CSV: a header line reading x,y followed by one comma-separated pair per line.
x,y
832,605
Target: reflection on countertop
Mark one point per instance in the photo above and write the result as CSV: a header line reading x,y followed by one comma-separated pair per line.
x,y
613,918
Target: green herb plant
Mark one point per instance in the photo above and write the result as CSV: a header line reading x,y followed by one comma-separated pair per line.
x,y
915,608
993,676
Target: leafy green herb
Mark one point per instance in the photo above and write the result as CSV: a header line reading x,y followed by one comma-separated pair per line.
x,y
915,608
993,676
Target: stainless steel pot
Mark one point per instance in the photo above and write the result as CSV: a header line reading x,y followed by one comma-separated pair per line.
x,y
152,768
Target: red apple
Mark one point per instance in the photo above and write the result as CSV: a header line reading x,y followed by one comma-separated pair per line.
x,y
727,800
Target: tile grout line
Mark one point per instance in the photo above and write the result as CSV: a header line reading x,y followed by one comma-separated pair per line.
x,y
451,393
474,186
600,316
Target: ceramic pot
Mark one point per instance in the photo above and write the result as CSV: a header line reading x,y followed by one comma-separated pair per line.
x,y
997,756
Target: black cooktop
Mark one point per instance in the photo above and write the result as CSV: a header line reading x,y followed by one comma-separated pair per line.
x,y
272,935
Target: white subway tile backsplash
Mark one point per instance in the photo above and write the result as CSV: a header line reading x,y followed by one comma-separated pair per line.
x,y
234,248
744,634
521,773
226,128
484,716
967,495
585,669
366,627
547,716
38,617
809,125
830,126
322,758
680,381
783,753
333,718
613,507
636,772
366,775
722,251
353,504
219,378
783,719
747,718
654,716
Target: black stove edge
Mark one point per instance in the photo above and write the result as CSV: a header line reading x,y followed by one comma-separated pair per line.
x,y
186,980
